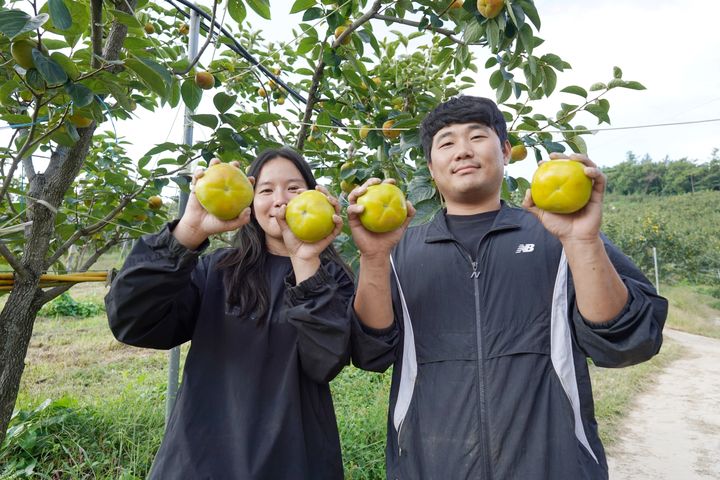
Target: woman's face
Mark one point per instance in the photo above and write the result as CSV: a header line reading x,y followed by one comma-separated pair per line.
x,y
278,181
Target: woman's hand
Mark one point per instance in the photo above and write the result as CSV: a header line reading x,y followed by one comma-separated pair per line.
x,y
303,250
196,224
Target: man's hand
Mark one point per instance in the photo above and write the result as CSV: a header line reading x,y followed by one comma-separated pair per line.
x,y
583,225
196,224
370,244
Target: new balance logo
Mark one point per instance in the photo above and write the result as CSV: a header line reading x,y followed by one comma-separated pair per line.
x,y
525,248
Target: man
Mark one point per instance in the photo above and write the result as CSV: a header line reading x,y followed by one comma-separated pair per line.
x,y
489,313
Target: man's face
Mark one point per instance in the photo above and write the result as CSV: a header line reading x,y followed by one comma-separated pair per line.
x,y
468,162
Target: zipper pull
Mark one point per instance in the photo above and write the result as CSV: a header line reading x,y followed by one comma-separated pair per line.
x,y
475,273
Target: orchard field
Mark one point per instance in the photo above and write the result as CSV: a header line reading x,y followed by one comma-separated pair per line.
x,y
90,407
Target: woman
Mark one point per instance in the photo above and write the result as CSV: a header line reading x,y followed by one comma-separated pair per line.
x,y
269,329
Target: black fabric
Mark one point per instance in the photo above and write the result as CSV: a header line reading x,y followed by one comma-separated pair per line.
x,y
254,401
470,229
487,401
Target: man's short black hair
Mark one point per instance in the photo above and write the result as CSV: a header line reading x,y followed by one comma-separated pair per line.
x,y
462,109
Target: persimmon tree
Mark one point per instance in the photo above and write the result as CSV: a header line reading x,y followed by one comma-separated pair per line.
x,y
348,92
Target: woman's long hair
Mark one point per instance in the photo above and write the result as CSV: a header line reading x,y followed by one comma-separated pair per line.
x,y
245,277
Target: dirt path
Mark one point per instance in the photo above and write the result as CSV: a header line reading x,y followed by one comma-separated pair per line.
x,y
673,431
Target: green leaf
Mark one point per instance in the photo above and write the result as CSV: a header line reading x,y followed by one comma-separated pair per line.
x,y
174,97
261,7
420,189
191,94
54,44
553,60
16,22
210,121
527,38
35,79
14,120
81,95
301,5
305,45
425,211
616,82
599,111
633,85
473,32
312,14
492,33
597,86
237,10
60,14
554,147
496,79
12,21
147,75
574,89
577,144
125,18
532,13
503,93
72,131
550,80
223,102
49,68
617,73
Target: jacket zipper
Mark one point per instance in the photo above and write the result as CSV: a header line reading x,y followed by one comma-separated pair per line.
x,y
398,436
484,449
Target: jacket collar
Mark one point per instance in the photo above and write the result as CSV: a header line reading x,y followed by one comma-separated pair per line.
x,y
437,231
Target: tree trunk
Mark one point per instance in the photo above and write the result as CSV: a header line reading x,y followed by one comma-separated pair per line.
x,y
16,324
18,316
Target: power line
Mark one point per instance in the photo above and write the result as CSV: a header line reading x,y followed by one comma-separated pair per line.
x,y
631,127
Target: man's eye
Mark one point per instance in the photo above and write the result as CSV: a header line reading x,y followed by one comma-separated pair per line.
x,y
445,144
294,188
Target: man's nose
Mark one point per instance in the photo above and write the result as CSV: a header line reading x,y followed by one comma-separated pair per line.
x,y
463,149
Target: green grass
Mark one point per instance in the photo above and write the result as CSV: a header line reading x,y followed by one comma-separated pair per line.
x,y
694,309
105,420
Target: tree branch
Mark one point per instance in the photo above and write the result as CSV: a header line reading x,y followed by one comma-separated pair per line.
x,y
412,23
29,168
320,68
367,16
13,261
205,45
20,154
89,230
96,31
311,100
59,290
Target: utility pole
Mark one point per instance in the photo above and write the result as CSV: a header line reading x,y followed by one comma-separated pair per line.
x,y
174,356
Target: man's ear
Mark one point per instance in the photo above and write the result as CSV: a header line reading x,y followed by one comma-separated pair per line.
x,y
430,167
506,148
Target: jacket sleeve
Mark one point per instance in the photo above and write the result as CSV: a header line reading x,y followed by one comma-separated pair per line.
x,y
635,334
153,301
317,308
372,349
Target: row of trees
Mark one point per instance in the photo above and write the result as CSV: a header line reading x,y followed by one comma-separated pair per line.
x,y
339,93
666,177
